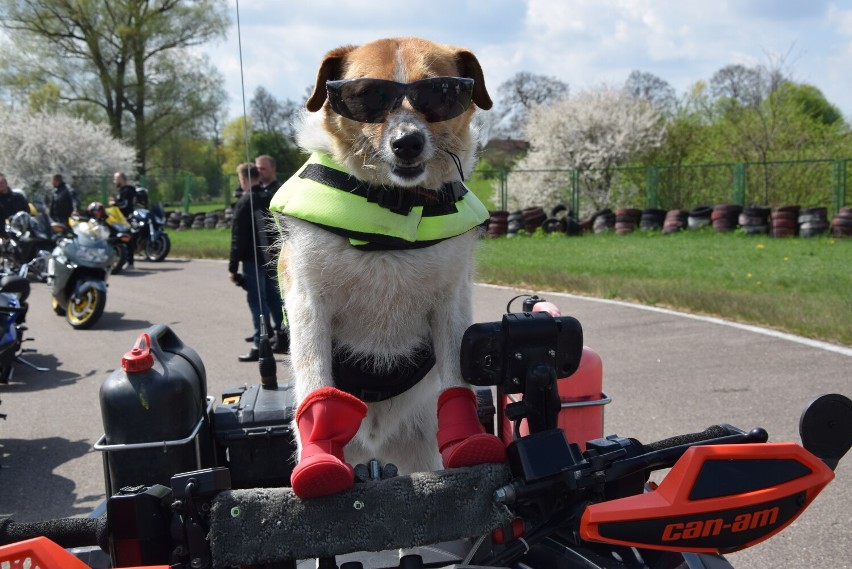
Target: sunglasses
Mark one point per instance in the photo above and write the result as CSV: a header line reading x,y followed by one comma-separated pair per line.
x,y
370,100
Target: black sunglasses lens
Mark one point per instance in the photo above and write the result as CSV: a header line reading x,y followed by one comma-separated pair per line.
x,y
364,100
370,100
441,98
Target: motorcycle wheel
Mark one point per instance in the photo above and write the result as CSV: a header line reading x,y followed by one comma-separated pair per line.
x,y
120,258
87,310
57,308
158,249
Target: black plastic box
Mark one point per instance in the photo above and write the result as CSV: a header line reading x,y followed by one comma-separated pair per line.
x,y
253,435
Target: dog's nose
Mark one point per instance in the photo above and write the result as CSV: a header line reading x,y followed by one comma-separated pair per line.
x,y
408,146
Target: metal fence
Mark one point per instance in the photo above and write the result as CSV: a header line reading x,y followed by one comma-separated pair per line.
x,y
807,183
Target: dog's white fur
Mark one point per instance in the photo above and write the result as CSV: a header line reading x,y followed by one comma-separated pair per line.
x,y
384,305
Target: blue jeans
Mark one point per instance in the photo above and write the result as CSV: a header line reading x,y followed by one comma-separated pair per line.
x,y
267,303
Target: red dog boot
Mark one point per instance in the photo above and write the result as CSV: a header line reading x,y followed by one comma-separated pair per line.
x,y
328,419
462,439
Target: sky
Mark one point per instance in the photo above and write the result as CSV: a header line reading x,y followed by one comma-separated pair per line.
x,y
583,43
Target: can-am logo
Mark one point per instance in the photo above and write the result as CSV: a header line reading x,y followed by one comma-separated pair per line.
x,y
716,526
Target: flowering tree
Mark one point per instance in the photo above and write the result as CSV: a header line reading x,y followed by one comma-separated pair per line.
x,y
592,132
35,146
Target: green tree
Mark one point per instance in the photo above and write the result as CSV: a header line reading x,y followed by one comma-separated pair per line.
x,y
128,59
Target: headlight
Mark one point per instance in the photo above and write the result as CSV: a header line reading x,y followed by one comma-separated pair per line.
x,y
93,255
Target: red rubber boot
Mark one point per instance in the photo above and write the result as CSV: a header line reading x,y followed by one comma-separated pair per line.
x,y
462,439
328,419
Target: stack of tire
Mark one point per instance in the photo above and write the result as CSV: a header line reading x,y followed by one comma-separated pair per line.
x,y
699,217
813,221
626,220
676,220
841,223
603,221
560,221
515,222
185,221
784,221
533,217
211,218
498,224
725,216
173,220
755,220
652,219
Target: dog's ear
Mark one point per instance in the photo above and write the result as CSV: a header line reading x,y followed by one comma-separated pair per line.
x,y
330,69
469,67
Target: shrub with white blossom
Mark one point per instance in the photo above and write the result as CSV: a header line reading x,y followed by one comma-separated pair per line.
x,y
592,132
33,147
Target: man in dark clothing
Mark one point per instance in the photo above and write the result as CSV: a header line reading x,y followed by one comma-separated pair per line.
x,y
10,203
64,202
250,241
266,169
125,201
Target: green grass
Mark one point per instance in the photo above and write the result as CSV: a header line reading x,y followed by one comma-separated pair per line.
x,y
802,286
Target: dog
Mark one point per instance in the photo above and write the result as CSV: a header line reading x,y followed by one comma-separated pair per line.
x,y
376,263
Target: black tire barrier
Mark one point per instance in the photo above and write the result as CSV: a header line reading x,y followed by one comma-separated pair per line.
x,y
533,217
699,217
724,217
813,221
555,225
676,220
652,219
560,208
841,223
604,223
784,221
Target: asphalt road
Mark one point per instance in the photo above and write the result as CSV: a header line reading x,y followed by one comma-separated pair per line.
x,y
666,373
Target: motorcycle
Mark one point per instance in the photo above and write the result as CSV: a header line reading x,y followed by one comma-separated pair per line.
x,y
14,291
77,272
28,243
209,492
148,226
119,237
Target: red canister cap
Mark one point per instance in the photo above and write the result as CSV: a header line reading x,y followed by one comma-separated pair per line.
x,y
139,359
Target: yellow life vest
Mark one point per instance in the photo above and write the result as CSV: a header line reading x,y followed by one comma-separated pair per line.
x,y
376,217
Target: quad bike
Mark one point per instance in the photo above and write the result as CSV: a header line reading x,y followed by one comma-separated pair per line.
x,y
207,487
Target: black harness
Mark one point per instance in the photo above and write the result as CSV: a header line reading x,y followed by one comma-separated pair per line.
x,y
356,376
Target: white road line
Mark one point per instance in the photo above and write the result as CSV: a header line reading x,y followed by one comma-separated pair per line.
x,y
710,319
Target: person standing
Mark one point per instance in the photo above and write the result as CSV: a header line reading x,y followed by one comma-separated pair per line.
x,y
10,203
266,169
125,200
251,239
64,201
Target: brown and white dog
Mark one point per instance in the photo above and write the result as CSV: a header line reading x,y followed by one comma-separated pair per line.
x,y
376,263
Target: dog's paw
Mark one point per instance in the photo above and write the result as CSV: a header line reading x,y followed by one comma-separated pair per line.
x,y
321,475
477,449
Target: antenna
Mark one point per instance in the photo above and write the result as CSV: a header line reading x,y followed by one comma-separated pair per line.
x,y
266,360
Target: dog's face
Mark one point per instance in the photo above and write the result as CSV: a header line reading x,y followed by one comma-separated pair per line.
x,y
400,131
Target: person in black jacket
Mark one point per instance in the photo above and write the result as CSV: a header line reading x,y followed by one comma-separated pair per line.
x,y
125,200
10,203
64,201
251,239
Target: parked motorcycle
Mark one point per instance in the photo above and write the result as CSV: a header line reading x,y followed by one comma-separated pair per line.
x,y
148,226
14,291
77,273
196,487
119,232
28,243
